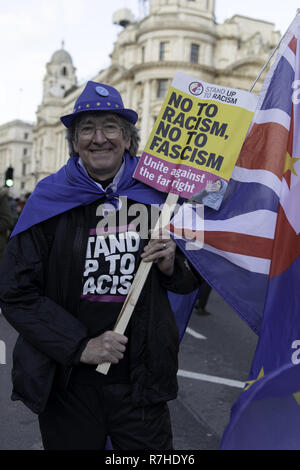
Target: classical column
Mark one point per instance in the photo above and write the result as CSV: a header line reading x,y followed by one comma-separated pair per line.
x,y
145,118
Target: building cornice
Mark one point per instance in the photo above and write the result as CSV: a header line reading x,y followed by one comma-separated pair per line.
x,y
255,20
251,60
170,26
177,65
15,123
15,141
120,72
42,126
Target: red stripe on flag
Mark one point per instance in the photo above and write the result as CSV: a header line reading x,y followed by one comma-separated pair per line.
x,y
288,173
188,234
286,245
293,45
240,243
265,148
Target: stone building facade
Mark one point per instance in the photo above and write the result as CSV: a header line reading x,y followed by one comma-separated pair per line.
x,y
174,35
16,141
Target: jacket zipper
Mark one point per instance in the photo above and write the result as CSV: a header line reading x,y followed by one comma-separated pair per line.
x,y
76,265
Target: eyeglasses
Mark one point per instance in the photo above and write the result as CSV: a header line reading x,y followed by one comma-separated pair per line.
x,y
111,131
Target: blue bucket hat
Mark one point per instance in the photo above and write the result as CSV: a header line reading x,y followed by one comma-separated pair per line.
x,y
99,97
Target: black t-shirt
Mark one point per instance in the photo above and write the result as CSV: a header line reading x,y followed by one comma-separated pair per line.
x,y
117,232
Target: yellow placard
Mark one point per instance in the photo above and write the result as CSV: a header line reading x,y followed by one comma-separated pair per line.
x,y
199,133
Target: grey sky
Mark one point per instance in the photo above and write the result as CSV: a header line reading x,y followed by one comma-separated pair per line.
x,y
31,30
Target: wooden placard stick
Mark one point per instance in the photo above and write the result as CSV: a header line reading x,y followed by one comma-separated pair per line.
x,y
140,278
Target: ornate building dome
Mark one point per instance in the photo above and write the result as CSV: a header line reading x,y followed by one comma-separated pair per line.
x,y
61,56
60,74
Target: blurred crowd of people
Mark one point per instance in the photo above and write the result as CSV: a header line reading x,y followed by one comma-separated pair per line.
x,y
10,210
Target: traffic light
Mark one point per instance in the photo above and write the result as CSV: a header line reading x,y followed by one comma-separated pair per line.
x,y
9,177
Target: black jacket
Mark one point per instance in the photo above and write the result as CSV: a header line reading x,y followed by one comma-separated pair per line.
x,y
40,282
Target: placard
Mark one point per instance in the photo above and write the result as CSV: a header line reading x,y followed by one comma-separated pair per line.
x,y
196,140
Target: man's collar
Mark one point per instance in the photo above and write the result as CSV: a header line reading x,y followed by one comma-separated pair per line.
x,y
114,184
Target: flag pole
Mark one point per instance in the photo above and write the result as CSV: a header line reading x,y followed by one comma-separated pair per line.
x,y
140,278
272,55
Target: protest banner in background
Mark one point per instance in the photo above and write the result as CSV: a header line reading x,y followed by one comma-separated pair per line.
x,y
196,140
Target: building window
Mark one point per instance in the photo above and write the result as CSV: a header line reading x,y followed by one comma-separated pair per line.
x,y
64,71
162,87
23,169
194,53
143,54
24,152
26,136
163,50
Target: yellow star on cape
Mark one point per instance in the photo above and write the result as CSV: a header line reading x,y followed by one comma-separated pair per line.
x,y
249,383
289,164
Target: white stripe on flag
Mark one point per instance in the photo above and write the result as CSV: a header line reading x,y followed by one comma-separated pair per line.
x,y
278,116
260,223
290,57
267,178
250,263
189,216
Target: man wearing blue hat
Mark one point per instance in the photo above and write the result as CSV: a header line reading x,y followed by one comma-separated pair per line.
x,y
65,275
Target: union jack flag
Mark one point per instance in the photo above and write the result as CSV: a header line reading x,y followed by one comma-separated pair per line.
x,y
239,253
251,257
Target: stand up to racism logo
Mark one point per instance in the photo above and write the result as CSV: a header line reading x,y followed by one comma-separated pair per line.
x,y
196,88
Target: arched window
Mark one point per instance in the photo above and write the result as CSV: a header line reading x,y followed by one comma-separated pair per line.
x,y
162,88
194,54
64,71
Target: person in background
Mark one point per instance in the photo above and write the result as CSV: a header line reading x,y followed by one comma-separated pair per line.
x,y
6,220
20,203
202,299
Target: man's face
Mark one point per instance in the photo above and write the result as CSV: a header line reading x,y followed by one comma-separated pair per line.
x,y
101,152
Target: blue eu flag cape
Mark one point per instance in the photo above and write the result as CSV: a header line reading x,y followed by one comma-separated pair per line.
x,y
71,187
